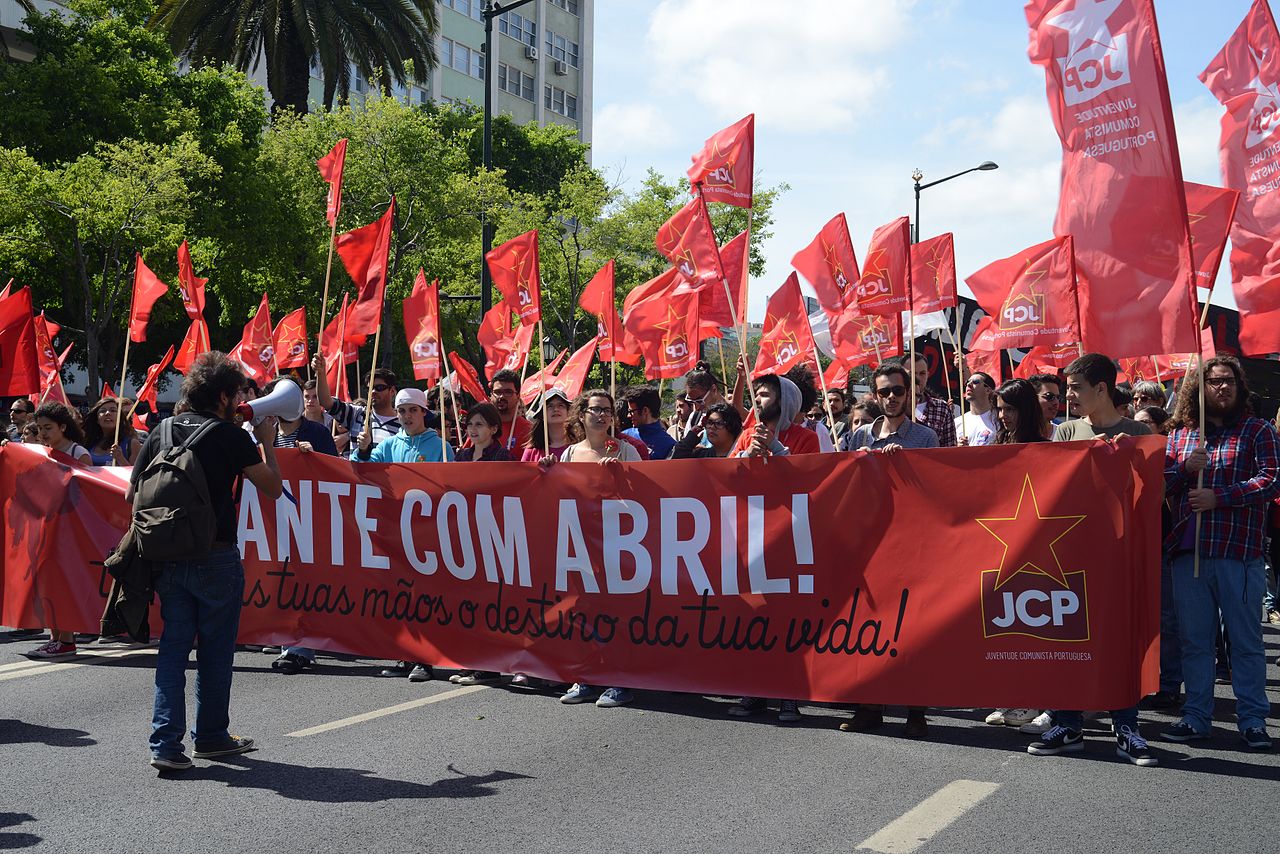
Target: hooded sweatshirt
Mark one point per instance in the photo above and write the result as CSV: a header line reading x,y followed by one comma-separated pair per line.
x,y
403,448
795,438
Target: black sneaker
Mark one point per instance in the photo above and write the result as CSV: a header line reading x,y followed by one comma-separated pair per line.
x,y
421,673
177,762
400,668
1257,738
789,712
747,706
234,744
290,663
1057,740
1132,746
865,719
1182,732
1160,701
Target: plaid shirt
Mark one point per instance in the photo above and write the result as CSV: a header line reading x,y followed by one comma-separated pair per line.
x,y
940,418
1244,473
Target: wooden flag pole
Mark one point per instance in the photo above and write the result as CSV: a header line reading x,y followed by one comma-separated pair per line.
x,y
741,330
1204,319
724,371
124,364
457,425
822,379
911,327
373,366
946,375
542,381
324,300
955,342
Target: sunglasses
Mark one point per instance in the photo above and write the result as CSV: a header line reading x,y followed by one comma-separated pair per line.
x,y
380,387
893,390
1050,396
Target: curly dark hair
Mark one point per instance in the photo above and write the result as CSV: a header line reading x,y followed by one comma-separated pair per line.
x,y
93,435
59,414
212,375
1186,407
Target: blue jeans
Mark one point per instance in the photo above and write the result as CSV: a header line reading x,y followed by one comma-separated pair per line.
x,y
199,598
1119,717
1170,647
1235,589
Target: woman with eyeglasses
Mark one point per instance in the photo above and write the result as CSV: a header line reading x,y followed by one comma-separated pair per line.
x,y
721,426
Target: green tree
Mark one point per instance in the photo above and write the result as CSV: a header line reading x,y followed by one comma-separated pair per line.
x,y
392,40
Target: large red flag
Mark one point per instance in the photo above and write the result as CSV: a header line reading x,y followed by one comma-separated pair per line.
x,y
830,265
689,242
147,288
190,286
1121,197
735,256
364,253
50,365
148,390
505,348
333,345
514,268
722,170
542,380
933,274
195,342
422,329
256,351
290,340
573,375
597,300
19,368
1245,77
884,287
331,166
466,377
865,339
1210,212
1031,296
787,339
662,318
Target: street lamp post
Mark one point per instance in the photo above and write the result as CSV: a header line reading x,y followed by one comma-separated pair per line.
x,y
491,10
917,175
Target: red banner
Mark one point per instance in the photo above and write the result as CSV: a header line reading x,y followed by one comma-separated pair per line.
x,y
1121,197
147,288
19,368
933,274
1245,77
364,252
190,286
331,168
688,240
256,352
1210,212
290,340
731,577
865,340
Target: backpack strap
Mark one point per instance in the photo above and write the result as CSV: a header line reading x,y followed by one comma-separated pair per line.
x,y
199,433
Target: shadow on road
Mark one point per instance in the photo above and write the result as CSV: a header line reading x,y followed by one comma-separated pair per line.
x,y
10,841
21,732
341,785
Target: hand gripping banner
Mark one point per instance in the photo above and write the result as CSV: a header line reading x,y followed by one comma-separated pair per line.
x,y
836,577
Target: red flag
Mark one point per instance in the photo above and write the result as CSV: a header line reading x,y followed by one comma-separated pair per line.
x,y
148,390
984,354
830,265
1030,295
467,378
1245,77
147,288
1121,197
190,286
19,369
1136,369
734,259
193,344
1177,365
364,253
933,274
836,375
333,345
598,300
1046,360
256,350
290,340
573,375
787,339
514,268
106,390
723,169
689,242
865,339
47,358
884,287
541,381
422,329
331,166
662,318
1210,212
505,348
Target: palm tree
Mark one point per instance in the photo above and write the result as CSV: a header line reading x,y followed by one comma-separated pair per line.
x,y
378,37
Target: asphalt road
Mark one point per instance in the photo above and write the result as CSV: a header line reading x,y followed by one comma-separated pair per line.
x,y
499,769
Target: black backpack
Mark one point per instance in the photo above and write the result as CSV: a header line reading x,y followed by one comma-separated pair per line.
x,y
172,514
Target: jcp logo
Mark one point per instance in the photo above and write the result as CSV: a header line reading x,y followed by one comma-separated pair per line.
x,y
872,288
677,349
721,175
1020,315
426,349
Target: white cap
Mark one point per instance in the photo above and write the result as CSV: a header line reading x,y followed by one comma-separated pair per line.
x,y
412,397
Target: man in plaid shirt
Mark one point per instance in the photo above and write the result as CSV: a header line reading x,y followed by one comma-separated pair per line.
x,y
1240,458
933,412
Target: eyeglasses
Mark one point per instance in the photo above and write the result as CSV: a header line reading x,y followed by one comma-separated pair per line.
x,y
1145,397
503,392
599,410
1220,382
380,387
713,422
893,390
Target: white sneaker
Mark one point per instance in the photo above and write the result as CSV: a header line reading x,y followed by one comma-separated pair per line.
x,y
1039,725
996,718
1018,717
579,693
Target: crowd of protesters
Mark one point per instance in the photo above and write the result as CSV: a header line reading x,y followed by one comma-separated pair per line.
x,y
1227,470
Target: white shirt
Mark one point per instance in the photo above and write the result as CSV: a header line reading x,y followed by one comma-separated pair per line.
x,y
979,429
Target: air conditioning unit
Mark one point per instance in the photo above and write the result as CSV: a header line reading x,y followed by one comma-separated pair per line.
x,y
561,67
531,52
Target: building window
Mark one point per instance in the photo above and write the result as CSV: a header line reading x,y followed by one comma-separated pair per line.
x,y
515,81
560,102
570,106
570,6
558,47
518,27
470,8
461,58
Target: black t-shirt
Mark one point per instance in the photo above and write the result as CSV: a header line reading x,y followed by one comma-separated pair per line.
x,y
224,453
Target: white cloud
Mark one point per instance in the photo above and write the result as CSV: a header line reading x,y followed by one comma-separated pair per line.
x,y
621,132
796,68
1198,123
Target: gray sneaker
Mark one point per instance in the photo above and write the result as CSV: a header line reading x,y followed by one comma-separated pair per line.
x,y
614,697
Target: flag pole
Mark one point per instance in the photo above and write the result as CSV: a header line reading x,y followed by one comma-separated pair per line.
x,y
946,376
724,373
1204,319
542,381
822,379
955,342
124,363
373,366
741,330
457,425
328,269
911,324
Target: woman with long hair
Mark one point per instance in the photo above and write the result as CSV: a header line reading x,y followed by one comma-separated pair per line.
x,y
483,425
1020,415
559,431
100,429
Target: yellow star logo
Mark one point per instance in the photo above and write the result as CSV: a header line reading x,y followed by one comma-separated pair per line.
x,y
834,265
672,327
1029,538
1024,294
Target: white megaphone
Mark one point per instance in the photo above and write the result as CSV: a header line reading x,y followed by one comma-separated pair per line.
x,y
285,402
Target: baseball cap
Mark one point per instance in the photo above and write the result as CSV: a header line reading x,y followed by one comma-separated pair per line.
x,y
412,397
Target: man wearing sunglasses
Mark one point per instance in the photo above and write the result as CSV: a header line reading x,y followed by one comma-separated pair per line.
x,y
19,414
978,425
892,431
384,423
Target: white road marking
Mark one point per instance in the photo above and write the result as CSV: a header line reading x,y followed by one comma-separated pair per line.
x,y
921,823
389,710
19,669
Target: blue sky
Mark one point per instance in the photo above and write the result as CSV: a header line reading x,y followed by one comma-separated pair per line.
x,y
850,96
